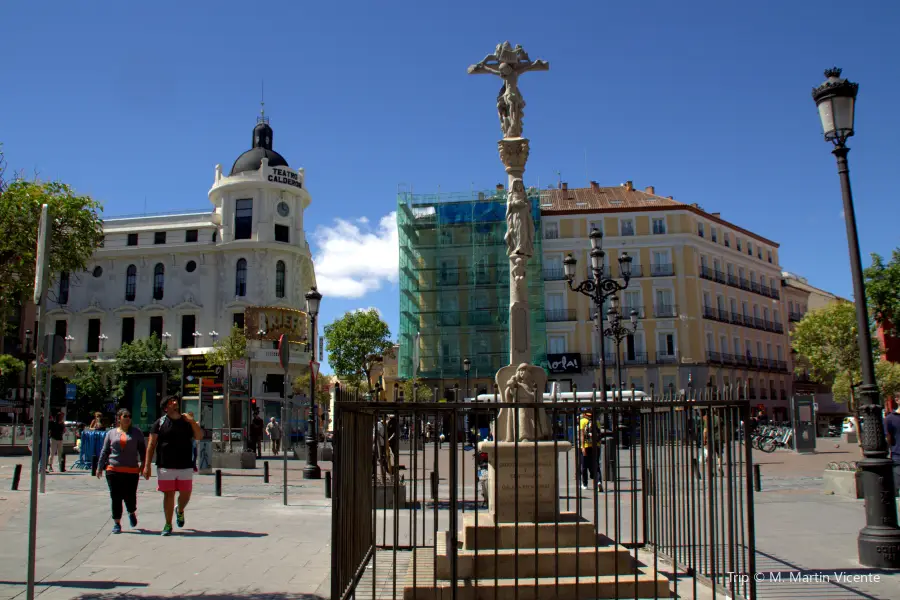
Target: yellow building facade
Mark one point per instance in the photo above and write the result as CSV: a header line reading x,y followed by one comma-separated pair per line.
x,y
708,294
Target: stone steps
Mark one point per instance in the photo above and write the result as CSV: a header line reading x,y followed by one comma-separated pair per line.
x,y
548,588
571,530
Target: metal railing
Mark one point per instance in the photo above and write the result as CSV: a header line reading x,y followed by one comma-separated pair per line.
x,y
662,269
665,310
554,274
419,490
560,314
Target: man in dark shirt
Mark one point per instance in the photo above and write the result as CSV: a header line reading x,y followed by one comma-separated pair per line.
x,y
892,432
256,433
172,438
56,431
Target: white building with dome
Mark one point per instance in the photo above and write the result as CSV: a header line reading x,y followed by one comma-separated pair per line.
x,y
189,276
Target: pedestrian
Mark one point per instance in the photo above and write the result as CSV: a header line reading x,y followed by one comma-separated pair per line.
x,y
56,430
892,432
273,430
172,437
122,457
589,432
97,423
194,445
256,433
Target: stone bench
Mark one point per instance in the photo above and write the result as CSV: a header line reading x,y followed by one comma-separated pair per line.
x,y
842,483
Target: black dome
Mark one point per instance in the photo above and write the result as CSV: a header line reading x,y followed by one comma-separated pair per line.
x,y
261,148
252,159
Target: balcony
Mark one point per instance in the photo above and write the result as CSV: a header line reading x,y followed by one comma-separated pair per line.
x,y
551,234
713,357
557,274
560,314
733,281
763,395
737,318
662,269
795,316
709,313
719,276
626,311
664,358
663,311
706,273
744,284
728,359
752,393
637,270
448,278
635,358
778,327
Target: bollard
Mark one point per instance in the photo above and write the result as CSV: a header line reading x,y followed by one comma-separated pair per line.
x,y
94,466
328,484
62,462
17,474
218,482
266,472
757,479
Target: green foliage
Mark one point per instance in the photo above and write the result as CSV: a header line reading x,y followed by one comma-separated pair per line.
x,y
77,232
227,349
423,392
10,368
147,355
883,289
887,375
356,342
93,388
300,385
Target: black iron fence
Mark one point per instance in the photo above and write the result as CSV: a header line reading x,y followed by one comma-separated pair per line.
x,y
617,499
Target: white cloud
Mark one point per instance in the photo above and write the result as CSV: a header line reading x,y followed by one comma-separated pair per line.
x,y
353,259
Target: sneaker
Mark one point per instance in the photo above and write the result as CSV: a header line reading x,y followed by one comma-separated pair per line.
x,y
179,517
600,487
117,528
167,530
132,518
583,486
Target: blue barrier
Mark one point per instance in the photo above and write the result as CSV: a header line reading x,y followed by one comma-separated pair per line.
x,y
91,444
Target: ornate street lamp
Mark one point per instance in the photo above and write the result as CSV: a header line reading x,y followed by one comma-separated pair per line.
x,y
312,470
214,335
165,336
879,541
102,337
618,330
69,339
598,288
197,335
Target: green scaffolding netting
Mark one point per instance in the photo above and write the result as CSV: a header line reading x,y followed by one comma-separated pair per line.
x,y
454,284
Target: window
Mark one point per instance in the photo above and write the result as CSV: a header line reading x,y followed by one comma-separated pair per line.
x,y
700,230
634,347
759,349
627,226
190,235
62,327
127,330
707,300
769,351
668,384
738,240
776,315
778,352
243,218
637,383
790,306
551,231
279,279
769,253
659,226
159,237
772,284
159,281
665,344
749,249
156,327
717,266
240,278
130,283
733,304
741,273
665,303
723,344
756,311
282,234
598,225
188,327
759,252
737,345
752,277
215,235
446,237
238,320
749,352
132,239
63,296
765,313
631,301
720,304
714,234
556,344
93,335
274,384
730,269
710,342
745,308
727,240
704,264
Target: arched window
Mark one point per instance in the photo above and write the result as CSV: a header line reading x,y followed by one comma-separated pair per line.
x,y
130,283
240,278
279,279
159,281
63,296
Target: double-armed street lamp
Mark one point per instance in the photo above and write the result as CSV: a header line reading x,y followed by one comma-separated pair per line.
x,y
312,470
598,288
102,337
166,336
69,339
618,330
879,541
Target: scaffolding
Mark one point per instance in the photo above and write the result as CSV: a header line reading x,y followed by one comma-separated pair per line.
x,y
454,284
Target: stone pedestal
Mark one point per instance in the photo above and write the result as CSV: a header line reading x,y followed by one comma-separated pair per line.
x,y
521,481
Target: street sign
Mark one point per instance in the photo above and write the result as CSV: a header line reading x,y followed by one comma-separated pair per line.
x,y
55,346
284,351
71,390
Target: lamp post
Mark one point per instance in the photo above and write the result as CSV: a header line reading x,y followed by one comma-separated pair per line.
x,y
618,331
598,288
69,339
467,364
102,337
312,470
197,335
165,336
878,542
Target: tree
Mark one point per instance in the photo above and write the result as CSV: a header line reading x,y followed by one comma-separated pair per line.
x,y
147,355
356,342
77,232
883,289
232,347
323,393
92,389
887,374
10,368
423,392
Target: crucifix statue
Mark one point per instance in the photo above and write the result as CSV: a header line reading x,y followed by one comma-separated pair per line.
x,y
520,381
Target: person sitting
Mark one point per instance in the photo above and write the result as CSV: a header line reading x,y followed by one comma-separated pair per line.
x,y
97,423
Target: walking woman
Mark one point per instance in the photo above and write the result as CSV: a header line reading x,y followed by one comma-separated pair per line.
x,y
122,458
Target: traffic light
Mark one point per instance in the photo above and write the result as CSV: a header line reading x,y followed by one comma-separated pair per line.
x,y
252,405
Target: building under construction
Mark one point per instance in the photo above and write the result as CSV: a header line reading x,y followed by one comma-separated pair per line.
x,y
454,289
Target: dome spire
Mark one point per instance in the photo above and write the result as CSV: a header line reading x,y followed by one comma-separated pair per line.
x,y
262,104
262,133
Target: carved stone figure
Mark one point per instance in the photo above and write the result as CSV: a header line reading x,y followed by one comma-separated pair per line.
x,y
508,63
522,383
519,223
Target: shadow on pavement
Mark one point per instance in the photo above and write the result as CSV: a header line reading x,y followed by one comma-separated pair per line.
x,y
97,585
222,533
798,571
213,596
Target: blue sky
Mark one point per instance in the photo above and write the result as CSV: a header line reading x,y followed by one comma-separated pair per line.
x,y
135,103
